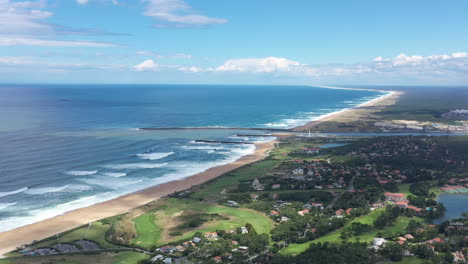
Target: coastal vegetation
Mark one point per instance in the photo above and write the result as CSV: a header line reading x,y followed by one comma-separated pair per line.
x,y
301,204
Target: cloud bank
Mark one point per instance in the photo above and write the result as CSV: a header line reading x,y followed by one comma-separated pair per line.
x,y
178,14
21,23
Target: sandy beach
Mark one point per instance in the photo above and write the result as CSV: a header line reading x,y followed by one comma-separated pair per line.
x,y
355,113
9,240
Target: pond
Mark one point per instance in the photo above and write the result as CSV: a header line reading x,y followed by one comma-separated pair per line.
x,y
455,204
332,145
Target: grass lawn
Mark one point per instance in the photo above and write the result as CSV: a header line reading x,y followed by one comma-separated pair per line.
x,y
148,233
404,189
232,179
104,258
96,232
334,237
166,217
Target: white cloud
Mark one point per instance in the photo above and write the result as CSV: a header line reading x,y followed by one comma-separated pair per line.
x,y
21,22
412,67
177,13
21,41
83,2
147,65
164,56
191,69
24,17
260,65
24,63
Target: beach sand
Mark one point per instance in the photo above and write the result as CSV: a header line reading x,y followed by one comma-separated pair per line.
x,y
9,240
358,113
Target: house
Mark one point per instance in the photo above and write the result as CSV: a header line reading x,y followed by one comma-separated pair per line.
x,y
303,212
276,186
168,261
211,235
414,208
311,151
402,204
157,258
394,197
378,242
339,213
284,219
179,248
244,230
298,171
409,236
244,249
217,259
196,240
166,249
257,185
233,204
254,196
274,213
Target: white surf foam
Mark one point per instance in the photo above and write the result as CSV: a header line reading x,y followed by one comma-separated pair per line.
x,y
115,174
45,190
112,184
46,213
304,118
122,187
135,166
2,194
154,156
5,205
81,173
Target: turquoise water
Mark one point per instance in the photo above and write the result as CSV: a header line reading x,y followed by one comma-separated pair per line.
x,y
64,147
456,204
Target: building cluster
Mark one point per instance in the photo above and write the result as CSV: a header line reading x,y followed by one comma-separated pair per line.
x,y
395,147
408,240
400,200
60,248
169,253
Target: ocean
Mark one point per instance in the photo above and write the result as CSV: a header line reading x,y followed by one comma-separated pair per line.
x,y
64,147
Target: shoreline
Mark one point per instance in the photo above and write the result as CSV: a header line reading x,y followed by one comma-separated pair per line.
x,y
331,116
10,240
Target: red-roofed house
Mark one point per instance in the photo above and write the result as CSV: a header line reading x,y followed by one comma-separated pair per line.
x,y
394,197
402,204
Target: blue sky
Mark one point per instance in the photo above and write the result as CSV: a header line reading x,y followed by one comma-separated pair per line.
x,y
251,42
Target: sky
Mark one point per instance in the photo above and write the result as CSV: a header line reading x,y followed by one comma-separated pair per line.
x,y
333,42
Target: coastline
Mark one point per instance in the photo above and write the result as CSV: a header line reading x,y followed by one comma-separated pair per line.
x,y
9,240
389,96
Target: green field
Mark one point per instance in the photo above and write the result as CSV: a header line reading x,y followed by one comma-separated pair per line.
x,y
334,237
148,233
154,226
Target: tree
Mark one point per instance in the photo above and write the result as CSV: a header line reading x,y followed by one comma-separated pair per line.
x,y
393,251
